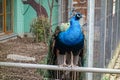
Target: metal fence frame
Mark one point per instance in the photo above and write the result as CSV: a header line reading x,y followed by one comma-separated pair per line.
x,y
90,37
55,67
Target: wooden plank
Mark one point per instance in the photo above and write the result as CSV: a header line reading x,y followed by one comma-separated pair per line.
x,y
4,15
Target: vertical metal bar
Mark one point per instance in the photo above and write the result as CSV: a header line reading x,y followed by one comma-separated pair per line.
x,y
118,10
70,6
116,14
115,29
108,32
111,27
59,12
62,5
103,32
119,21
90,41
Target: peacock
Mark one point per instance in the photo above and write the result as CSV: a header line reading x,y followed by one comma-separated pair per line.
x,y
69,42
66,47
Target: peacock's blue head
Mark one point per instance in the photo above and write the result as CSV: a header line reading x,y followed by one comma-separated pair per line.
x,y
78,16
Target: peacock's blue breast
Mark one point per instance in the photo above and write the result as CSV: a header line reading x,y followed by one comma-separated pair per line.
x,y
72,36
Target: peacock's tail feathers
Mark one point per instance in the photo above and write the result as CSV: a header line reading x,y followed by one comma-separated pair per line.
x,y
50,59
51,56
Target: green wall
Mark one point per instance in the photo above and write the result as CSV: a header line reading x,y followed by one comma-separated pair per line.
x,y
24,14
18,17
29,14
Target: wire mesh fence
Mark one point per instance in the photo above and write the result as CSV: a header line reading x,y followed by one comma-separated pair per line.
x,y
106,29
106,32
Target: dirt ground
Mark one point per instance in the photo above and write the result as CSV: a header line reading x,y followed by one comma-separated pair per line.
x,y
24,47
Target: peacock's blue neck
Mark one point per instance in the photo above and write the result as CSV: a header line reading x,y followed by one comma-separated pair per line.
x,y
73,35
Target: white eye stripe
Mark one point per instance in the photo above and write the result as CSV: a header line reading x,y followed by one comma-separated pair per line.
x,y
78,15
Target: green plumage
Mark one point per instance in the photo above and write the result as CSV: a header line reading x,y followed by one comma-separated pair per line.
x,y
64,26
